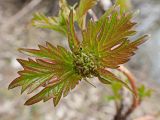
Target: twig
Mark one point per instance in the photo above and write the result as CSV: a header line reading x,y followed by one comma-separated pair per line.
x,y
26,9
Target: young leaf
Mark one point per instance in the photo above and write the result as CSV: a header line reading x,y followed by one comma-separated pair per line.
x,y
144,92
51,62
110,98
124,4
72,38
64,8
67,82
116,88
84,6
105,44
108,38
82,9
54,23
35,74
51,53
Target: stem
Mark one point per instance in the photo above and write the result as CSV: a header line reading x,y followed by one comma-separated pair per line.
x,y
132,81
119,115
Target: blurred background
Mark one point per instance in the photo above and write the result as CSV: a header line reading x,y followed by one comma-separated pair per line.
x,y
85,102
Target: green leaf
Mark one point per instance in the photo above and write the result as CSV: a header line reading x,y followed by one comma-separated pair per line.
x,y
111,98
82,9
110,78
64,8
51,53
34,73
106,44
59,23
124,4
84,6
108,38
144,92
54,23
52,65
116,87
67,82
72,38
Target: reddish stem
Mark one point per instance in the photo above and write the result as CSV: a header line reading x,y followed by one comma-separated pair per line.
x,y
132,81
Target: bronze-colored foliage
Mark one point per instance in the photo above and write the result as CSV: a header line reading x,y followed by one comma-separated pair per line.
x,y
105,45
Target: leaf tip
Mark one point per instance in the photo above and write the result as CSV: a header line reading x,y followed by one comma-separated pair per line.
x,y
20,61
145,38
13,84
148,36
55,103
10,86
20,49
22,90
28,102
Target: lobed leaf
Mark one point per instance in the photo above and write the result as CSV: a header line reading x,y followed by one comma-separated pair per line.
x,y
67,82
58,24
122,53
108,38
52,68
106,44
82,9
35,74
51,53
